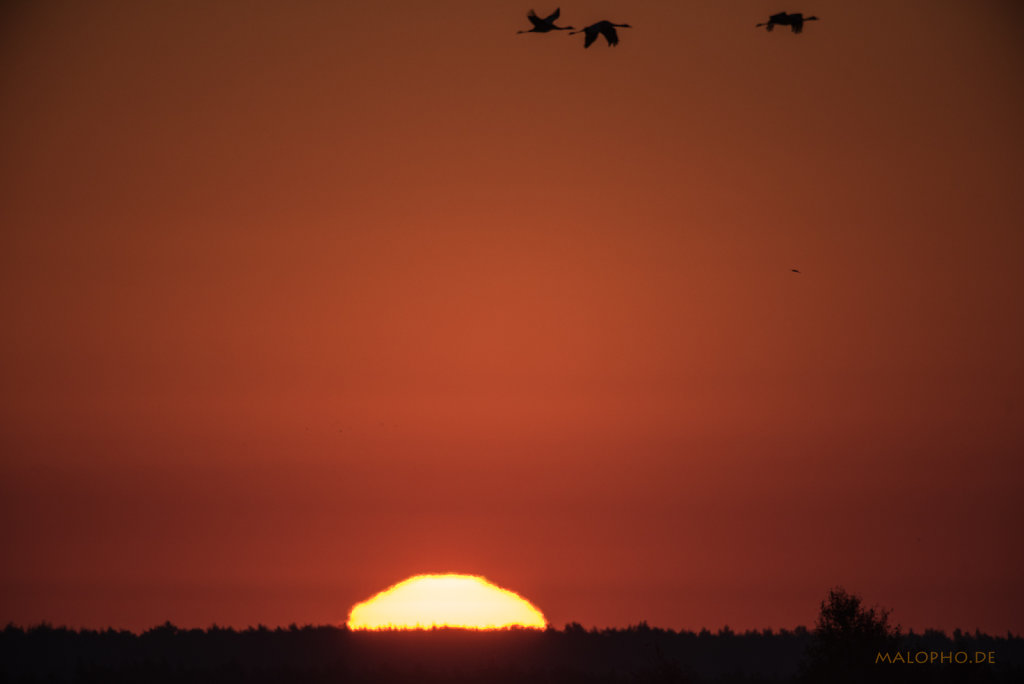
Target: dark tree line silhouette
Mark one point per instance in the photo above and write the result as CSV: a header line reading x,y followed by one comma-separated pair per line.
x,y
841,648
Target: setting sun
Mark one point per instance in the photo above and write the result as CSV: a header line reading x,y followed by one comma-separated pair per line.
x,y
449,600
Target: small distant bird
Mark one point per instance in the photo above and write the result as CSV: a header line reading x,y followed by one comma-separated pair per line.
x,y
546,24
794,21
604,28
796,271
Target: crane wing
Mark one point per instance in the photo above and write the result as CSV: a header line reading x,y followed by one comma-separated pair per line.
x,y
535,20
554,15
610,34
589,36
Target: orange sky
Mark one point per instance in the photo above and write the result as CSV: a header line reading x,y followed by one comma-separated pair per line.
x,y
298,302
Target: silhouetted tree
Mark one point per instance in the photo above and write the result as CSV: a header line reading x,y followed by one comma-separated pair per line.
x,y
847,639
575,628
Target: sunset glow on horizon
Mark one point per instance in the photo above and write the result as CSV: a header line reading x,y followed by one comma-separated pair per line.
x,y
448,600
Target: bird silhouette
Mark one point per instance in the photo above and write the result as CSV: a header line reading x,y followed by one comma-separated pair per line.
x,y
794,21
546,24
604,28
796,271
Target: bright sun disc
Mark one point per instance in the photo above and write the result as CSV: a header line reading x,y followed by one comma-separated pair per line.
x,y
463,601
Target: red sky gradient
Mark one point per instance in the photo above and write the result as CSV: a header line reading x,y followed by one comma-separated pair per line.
x,y
297,302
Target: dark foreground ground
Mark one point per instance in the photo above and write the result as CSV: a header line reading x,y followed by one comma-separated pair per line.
x,y
329,654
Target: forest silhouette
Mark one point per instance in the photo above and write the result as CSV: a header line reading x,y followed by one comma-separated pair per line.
x,y
843,647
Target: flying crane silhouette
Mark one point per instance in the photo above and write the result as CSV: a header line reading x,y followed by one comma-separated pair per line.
x,y
794,21
604,28
546,24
